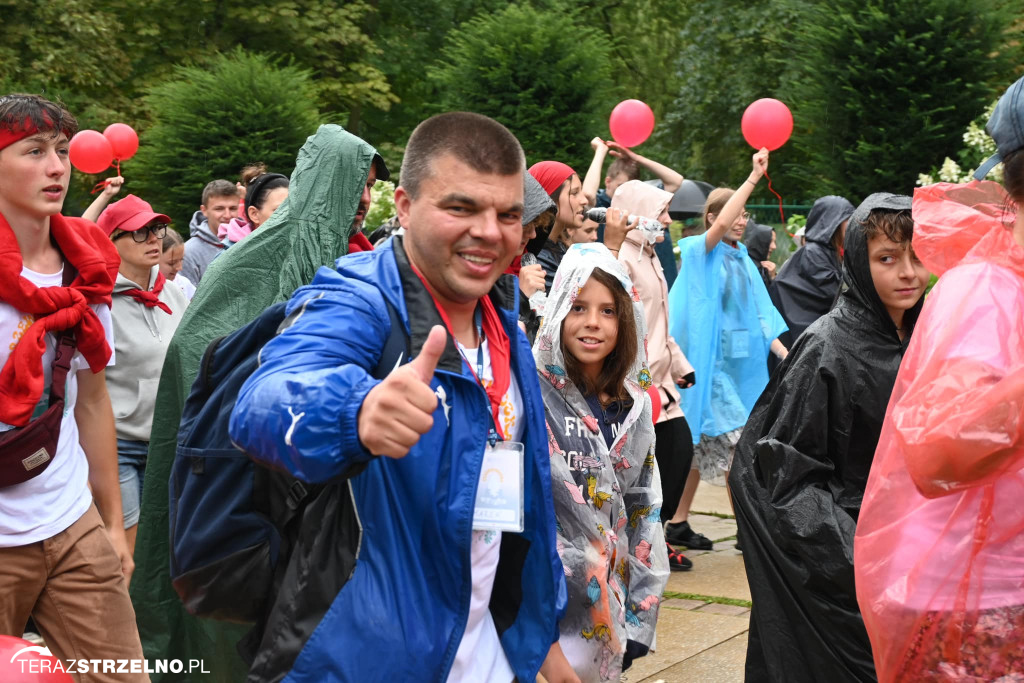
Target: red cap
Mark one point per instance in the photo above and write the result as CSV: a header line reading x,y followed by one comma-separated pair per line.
x,y
551,174
129,214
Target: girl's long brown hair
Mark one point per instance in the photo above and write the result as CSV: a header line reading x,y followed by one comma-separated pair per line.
x,y
612,379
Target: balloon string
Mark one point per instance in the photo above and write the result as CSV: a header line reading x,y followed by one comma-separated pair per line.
x,y
772,190
99,186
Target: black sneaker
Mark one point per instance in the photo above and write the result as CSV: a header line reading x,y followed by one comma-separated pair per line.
x,y
677,561
682,534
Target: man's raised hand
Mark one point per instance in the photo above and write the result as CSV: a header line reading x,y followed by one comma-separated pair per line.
x,y
399,410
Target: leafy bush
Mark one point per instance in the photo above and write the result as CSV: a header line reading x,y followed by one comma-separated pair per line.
x,y
210,121
882,87
544,74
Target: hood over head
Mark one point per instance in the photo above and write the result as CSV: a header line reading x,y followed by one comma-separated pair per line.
x,y
310,229
641,199
758,239
858,286
574,271
535,200
825,217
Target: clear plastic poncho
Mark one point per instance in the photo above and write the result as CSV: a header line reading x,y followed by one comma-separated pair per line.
x,y
939,549
607,500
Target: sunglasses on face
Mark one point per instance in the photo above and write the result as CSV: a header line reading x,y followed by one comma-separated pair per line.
x,y
142,234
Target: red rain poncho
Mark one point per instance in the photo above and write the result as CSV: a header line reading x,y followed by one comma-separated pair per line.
x,y
939,550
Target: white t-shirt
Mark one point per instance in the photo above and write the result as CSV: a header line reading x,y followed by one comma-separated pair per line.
x,y
185,285
480,656
55,499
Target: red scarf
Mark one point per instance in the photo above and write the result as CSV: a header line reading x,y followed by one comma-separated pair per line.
x,y
497,344
151,298
515,266
358,242
86,248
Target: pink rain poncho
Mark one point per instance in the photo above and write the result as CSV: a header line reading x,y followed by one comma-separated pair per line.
x,y
939,550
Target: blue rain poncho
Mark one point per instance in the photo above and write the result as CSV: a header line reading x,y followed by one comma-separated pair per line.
x,y
724,322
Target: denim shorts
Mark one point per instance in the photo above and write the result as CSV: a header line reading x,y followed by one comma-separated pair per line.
x,y
131,466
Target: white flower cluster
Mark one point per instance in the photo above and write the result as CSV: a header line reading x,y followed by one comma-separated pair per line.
x,y
977,139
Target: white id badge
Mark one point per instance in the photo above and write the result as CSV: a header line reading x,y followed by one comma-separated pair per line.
x,y
499,497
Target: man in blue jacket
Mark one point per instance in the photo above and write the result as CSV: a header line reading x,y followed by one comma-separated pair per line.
x,y
431,555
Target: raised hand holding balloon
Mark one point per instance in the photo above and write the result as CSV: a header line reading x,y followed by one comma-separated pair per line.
x,y
94,152
768,123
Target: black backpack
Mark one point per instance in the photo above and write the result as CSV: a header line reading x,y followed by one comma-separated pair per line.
x,y
233,520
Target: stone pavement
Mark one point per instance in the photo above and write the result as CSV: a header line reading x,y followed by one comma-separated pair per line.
x,y
702,626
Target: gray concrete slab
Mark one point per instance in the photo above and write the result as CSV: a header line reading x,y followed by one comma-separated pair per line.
x,y
719,574
683,634
722,663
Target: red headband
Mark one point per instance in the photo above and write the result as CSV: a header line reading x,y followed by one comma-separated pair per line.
x,y
551,174
9,137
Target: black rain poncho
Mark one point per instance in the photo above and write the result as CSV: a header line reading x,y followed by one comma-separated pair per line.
x,y
799,475
807,285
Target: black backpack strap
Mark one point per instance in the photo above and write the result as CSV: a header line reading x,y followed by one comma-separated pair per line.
x,y
396,346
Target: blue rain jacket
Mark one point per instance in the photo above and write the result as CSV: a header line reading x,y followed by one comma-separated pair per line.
x,y
721,316
402,613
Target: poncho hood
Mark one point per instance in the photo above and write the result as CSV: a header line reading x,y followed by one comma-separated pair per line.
x,y
310,229
535,200
858,286
825,217
758,239
574,271
640,199
950,220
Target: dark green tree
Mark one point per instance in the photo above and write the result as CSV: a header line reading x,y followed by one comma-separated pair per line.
x,y
544,74
729,56
210,121
884,88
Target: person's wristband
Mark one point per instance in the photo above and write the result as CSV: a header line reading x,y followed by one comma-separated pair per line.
x,y
748,180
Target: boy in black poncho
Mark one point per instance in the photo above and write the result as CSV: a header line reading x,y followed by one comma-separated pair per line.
x,y
802,463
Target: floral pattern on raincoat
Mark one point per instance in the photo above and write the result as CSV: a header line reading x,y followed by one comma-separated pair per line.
x,y
607,500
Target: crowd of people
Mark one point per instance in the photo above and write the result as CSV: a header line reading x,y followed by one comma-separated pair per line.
x,y
475,441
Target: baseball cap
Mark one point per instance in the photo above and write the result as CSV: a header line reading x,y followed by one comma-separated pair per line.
x,y
1005,126
129,214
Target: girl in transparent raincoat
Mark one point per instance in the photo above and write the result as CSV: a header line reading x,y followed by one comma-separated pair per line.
x,y
939,550
591,357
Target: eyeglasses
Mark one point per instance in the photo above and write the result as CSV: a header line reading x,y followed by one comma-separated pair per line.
x,y
142,234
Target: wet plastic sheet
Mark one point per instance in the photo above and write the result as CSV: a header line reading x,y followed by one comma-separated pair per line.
x,y
939,550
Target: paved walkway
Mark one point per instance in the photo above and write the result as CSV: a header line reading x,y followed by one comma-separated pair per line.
x,y
702,626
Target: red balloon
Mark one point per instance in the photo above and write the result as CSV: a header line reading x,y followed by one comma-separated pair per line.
x,y
29,666
631,122
655,402
91,152
767,123
123,140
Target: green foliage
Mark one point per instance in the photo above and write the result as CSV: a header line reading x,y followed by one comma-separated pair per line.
x,y
978,147
729,56
881,88
210,121
382,205
545,75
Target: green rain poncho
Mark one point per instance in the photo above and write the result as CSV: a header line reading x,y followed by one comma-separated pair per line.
x,y
309,230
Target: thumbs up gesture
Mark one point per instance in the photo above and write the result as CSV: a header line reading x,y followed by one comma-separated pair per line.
x,y
399,410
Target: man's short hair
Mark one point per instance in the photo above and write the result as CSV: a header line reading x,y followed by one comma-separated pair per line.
x,y
219,188
627,166
480,142
19,111
898,226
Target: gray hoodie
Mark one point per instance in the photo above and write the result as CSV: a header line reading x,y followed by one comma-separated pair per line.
x,y
141,336
200,249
